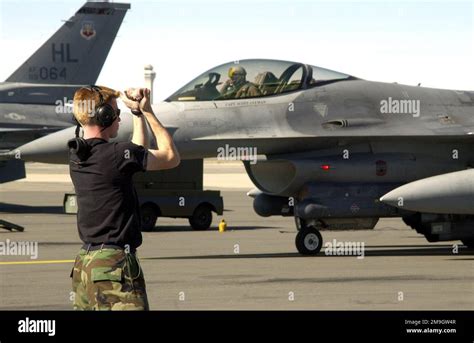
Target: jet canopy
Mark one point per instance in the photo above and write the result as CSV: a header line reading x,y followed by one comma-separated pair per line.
x,y
255,78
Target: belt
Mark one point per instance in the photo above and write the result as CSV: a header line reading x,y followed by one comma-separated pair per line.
x,y
95,247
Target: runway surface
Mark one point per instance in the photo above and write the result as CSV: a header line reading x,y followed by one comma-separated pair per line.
x,y
254,265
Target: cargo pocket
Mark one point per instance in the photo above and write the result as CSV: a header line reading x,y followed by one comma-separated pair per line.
x,y
107,287
106,274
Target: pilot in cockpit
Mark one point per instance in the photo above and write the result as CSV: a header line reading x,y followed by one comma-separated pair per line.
x,y
237,86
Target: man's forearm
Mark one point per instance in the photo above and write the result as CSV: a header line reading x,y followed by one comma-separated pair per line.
x,y
162,137
140,132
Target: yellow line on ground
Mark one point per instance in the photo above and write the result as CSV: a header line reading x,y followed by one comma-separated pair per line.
x,y
36,262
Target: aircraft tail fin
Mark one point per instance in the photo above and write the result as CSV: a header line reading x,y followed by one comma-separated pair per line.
x,y
76,53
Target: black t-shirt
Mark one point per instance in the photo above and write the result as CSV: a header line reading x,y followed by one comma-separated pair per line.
x,y
108,208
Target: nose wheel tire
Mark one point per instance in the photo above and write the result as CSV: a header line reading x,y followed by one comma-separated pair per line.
x,y
309,241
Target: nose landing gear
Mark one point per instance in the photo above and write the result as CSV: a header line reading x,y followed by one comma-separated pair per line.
x,y
308,240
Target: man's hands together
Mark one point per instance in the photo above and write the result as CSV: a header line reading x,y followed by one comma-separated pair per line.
x,y
137,100
166,155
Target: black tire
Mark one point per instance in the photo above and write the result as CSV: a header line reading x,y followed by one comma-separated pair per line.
x,y
149,215
309,241
468,243
201,218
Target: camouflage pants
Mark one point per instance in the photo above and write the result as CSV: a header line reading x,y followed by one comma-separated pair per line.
x,y
108,279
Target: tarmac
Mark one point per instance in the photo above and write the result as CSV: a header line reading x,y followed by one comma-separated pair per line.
x,y
254,265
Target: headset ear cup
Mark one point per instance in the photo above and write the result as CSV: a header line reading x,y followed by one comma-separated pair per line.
x,y
105,115
72,145
79,147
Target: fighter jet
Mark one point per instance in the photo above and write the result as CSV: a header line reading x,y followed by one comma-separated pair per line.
x,y
34,99
330,149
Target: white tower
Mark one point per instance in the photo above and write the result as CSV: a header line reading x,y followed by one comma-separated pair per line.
x,y
149,79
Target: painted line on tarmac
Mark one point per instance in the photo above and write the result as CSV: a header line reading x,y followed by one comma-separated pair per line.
x,y
36,262
9,263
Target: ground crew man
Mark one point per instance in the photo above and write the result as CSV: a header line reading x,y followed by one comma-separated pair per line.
x,y
107,273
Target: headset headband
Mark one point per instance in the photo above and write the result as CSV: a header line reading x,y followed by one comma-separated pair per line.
x,y
94,88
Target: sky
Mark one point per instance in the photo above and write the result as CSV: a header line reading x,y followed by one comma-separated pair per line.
x,y
409,42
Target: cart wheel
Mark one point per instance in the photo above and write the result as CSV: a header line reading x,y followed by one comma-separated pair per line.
x,y
201,218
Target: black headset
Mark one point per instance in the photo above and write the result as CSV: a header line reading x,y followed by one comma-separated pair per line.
x,y
104,115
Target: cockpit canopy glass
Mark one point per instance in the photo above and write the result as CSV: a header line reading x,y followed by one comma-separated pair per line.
x,y
253,79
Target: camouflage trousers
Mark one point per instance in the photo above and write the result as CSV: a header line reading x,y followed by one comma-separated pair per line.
x,y
108,279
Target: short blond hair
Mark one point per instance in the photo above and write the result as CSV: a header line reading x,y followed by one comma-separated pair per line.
x,y
86,99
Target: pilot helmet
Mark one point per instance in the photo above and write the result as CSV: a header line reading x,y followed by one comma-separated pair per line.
x,y
237,73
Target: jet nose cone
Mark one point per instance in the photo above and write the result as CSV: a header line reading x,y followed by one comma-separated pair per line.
x,y
53,147
48,149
